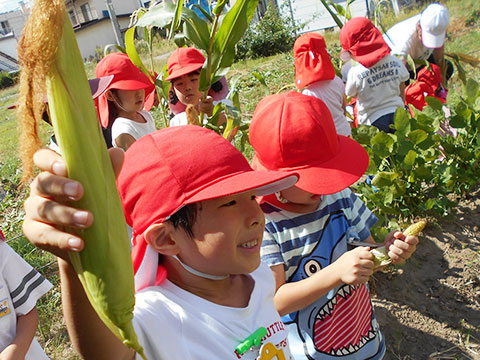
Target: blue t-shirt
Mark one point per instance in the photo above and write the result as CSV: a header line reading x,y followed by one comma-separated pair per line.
x,y
341,324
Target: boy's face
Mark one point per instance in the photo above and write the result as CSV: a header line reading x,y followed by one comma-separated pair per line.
x,y
228,233
303,200
186,88
130,100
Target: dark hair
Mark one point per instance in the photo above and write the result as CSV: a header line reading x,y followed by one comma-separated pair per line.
x,y
217,86
172,97
185,218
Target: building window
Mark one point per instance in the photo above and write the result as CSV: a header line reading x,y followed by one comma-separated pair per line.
x,y
5,27
86,12
73,18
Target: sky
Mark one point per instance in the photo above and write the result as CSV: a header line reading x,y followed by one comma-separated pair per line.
x,y
8,5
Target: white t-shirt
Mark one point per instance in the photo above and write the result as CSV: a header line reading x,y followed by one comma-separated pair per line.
x,y
172,323
377,88
331,92
133,128
402,39
20,288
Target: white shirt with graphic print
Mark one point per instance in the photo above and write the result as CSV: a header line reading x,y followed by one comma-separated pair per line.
x,y
377,88
172,323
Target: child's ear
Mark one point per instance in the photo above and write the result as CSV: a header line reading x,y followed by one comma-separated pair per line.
x,y
109,96
160,238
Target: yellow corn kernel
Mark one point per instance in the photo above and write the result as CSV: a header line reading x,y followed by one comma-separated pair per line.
x,y
415,229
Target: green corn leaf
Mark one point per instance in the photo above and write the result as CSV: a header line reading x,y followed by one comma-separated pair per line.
x,y
132,51
104,266
160,15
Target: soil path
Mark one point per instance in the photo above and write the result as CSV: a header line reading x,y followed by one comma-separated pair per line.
x,y
430,307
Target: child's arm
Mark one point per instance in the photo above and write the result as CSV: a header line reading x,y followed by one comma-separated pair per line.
x,y
124,141
26,328
45,214
353,267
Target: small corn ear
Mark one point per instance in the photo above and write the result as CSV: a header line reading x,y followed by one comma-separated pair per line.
x,y
415,229
49,55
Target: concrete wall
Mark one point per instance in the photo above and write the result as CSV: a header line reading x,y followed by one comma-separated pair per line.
x,y
314,14
16,19
8,46
97,34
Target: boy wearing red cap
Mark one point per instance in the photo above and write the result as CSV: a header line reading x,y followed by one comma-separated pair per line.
x,y
377,81
123,107
314,73
201,290
321,285
184,72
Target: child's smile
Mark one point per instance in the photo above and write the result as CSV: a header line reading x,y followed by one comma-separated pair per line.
x,y
228,234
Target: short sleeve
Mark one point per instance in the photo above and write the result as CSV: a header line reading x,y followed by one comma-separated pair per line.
x,y
361,217
25,284
270,250
350,85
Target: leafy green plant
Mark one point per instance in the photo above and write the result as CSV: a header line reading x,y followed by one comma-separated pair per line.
x,y
422,164
273,34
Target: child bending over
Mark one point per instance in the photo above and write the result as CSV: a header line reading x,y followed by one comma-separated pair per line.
x,y
197,231
322,290
20,288
315,74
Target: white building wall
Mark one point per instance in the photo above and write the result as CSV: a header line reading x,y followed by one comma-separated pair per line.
x,y
97,35
314,14
8,45
16,19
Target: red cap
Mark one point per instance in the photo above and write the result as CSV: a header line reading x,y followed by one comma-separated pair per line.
x,y
126,77
364,41
185,164
296,132
312,61
183,61
2,237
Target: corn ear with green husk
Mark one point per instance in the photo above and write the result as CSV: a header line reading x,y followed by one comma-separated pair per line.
x,y
52,64
380,256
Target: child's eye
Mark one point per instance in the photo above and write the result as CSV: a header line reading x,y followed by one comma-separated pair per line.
x,y
230,203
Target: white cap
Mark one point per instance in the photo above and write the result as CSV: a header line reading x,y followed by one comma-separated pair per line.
x,y
434,21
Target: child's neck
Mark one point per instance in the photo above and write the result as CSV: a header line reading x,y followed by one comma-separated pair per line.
x,y
131,115
234,291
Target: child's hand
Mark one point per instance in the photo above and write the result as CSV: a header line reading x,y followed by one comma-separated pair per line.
x,y
206,106
400,248
355,266
47,209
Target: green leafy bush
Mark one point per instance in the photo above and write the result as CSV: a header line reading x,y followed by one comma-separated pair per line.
x,y
8,79
418,168
273,34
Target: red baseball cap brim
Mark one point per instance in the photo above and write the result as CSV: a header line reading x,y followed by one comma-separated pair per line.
x,y
331,176
184,71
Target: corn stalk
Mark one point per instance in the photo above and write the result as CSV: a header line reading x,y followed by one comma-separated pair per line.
x,y
52,65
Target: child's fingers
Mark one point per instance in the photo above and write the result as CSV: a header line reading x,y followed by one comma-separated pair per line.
x,y
51,239
49,160
48,211
59,187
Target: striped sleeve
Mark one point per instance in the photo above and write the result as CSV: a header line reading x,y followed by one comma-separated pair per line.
x,y
25,284
361,217
270,250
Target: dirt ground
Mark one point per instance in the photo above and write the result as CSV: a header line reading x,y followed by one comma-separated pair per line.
x,y
429,308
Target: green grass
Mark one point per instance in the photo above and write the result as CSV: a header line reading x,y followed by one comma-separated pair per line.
x,y
278,73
